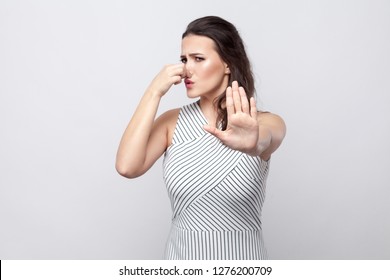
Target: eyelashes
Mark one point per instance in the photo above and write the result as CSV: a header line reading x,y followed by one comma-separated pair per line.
x,y
196,58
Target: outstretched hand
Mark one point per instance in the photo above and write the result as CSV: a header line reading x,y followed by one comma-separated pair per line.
x,y
242,131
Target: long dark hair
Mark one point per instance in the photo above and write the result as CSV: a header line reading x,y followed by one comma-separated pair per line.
x,y
231,49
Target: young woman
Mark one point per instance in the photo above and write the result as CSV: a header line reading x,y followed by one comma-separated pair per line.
x,y
217,149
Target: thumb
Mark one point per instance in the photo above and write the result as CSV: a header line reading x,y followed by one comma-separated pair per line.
x,y
177,80
212,130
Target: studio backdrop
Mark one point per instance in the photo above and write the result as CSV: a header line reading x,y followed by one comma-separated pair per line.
x,y
72,73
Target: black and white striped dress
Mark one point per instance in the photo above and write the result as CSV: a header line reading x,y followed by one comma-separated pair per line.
x,y
216,195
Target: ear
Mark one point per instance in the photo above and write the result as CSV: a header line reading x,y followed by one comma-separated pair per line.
x,y
227,69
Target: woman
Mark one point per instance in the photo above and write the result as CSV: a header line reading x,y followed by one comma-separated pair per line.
x,y
217,149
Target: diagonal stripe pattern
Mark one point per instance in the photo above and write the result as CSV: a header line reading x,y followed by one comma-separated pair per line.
x,y
216,195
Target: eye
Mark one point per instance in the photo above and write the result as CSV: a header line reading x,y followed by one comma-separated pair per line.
x,y
198,59
183,60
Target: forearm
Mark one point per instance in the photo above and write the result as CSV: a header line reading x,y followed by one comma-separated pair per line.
x,y
271,134
133,146
263,141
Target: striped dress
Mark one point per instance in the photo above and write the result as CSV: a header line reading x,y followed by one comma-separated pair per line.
x,y
216,195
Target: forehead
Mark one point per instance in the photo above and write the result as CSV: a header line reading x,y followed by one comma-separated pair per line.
x,y
197,44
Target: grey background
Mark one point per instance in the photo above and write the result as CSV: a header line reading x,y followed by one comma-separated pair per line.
x,y
72,73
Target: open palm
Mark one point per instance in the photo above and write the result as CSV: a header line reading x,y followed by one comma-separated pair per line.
x,y
242,130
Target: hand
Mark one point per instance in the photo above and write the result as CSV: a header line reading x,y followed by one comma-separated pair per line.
x,y
242,131
168,76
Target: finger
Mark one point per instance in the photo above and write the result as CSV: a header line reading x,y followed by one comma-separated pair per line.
x,y
181,70
177,80
236,97
175,70
229,102
235,85
214,131
244,100
177,73
174,67
253,108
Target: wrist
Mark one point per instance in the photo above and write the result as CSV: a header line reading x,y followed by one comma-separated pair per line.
x,y
153,93
262,144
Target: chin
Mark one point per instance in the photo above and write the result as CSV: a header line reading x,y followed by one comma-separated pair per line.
x,y
191,94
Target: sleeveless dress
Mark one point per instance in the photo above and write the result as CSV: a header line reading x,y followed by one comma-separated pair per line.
x,y
216,195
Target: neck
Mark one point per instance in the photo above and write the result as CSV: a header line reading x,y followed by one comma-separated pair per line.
x,y
209,110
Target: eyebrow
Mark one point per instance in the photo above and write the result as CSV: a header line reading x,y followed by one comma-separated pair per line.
x,y
191,54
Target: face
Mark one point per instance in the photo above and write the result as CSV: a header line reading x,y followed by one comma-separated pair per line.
x,y
206,74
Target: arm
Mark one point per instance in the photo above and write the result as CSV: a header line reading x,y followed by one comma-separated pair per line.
x,y
145,139
272,130
263,132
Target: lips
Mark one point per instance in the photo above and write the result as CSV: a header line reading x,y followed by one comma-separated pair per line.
x,y
188,83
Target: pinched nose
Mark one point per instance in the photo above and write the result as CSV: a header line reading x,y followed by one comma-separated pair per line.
x,y
187,71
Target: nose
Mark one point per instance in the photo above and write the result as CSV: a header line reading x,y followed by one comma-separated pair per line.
x,y
188,70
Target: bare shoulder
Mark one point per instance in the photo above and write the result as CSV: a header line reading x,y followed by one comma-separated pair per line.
x,y
168,120
170,115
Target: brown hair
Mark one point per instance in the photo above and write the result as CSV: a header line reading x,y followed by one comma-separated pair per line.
x,y
231,49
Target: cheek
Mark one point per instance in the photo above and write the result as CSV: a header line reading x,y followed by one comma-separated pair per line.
x,y
209,69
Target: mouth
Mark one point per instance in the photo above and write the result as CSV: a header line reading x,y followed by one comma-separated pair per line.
x,y
188,83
